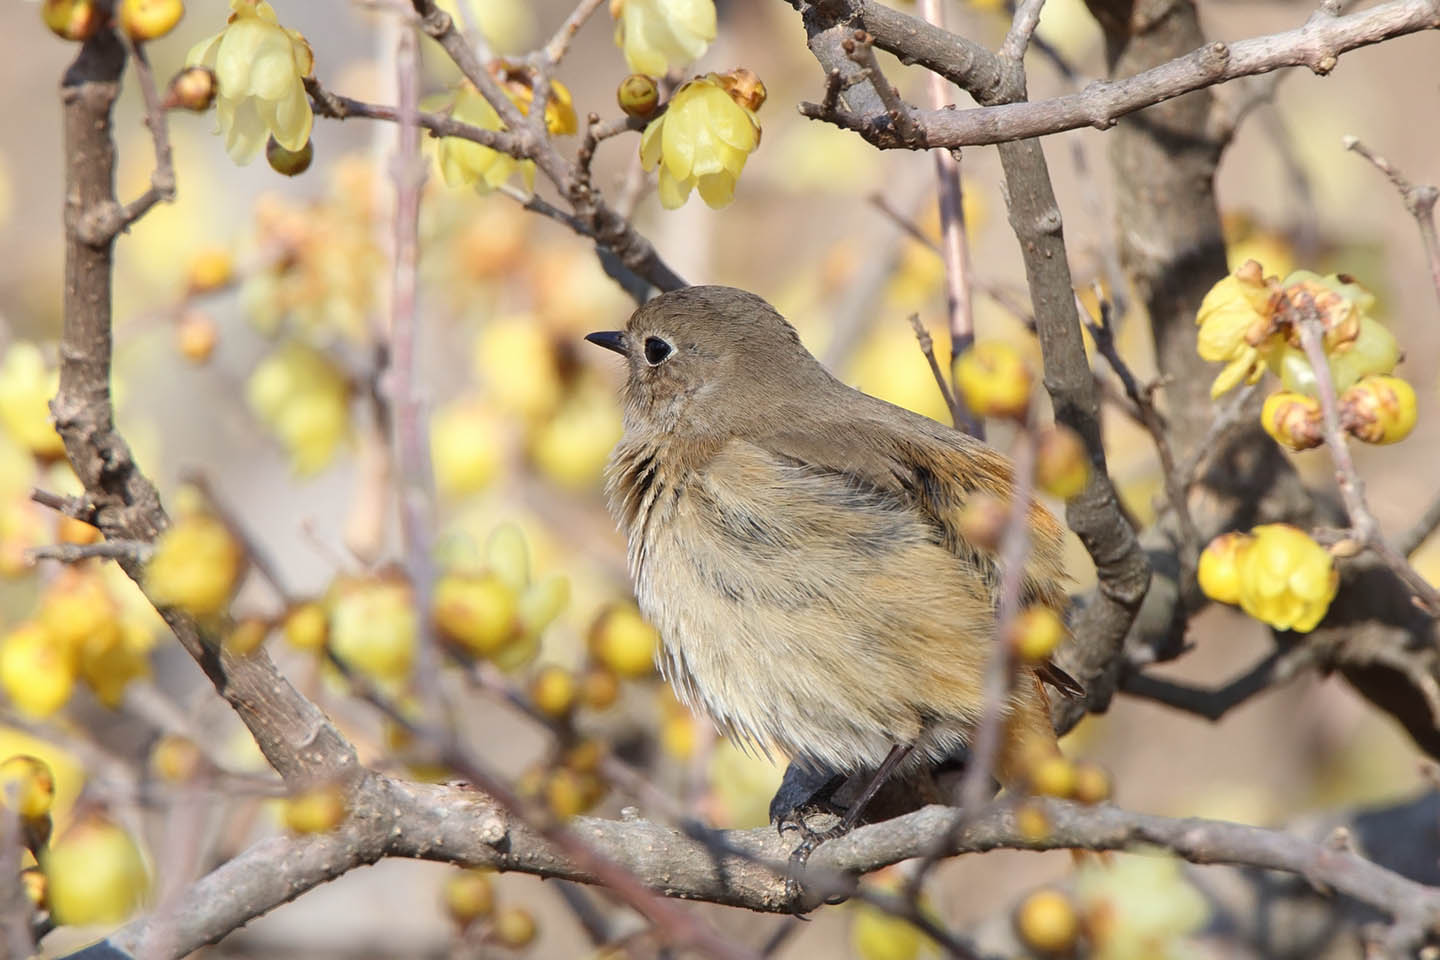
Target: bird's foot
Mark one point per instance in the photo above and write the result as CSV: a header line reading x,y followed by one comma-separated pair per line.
x,y
810,840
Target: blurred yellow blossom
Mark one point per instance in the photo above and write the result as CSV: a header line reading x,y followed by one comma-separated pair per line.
x,y
1139,907
301,396
373,626
195,566
1286,579
95,873
572,446
322,258
26,386
466,163
37,672
515,361
466,446
508,25
702,140
260,67
659,34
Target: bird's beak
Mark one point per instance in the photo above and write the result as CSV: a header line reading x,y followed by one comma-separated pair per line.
x,y
609,339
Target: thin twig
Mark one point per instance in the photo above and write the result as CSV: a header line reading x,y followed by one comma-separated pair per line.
x,y
560,43
1412,539
861,49
1103,333
78,552
1000,673
958,413
953,237
1365,528
1227,418
415,489
330,104
1276,667
1419,199
255,552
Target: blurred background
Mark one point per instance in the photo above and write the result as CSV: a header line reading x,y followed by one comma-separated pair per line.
x,y
524,414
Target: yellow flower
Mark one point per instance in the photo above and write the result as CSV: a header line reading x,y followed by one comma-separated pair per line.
x,y
1235,320
467,163
305,400
195,566
26,387
37,671
1219,569
1379,409
659,34
701,140
96,873
1293,420
260,67
1286,579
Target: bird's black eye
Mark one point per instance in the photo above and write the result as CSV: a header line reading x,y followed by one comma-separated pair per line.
x,y
656,350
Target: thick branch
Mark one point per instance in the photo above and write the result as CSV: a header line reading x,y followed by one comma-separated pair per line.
x,y
732,867
294,735
1317,45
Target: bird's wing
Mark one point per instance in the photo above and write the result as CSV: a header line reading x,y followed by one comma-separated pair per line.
x,y
936,470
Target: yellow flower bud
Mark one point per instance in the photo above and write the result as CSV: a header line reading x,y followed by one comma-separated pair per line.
x,y
553,691
701,142
1062,467
193,88
1092,784
466,447
246,637
1036,633
27,786
195,566
305,627
515,927
1286,579
176,759
1379,409
289,162
373,626
994,379
638,95
621,640
318,809
982,520
469,895
1031,822
94,874
148,19
196,336
1219,567
1052,776
476,612
1047,923
599,687
73,19
1293,420
36,670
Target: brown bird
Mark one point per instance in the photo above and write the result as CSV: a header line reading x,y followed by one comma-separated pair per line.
x,y
795,543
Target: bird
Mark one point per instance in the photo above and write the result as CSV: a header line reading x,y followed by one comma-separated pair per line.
x,y
796,544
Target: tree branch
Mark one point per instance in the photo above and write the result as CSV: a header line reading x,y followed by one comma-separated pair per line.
x,y
743,868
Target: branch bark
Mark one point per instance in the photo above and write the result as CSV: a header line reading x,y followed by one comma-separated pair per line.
x,y
741,868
